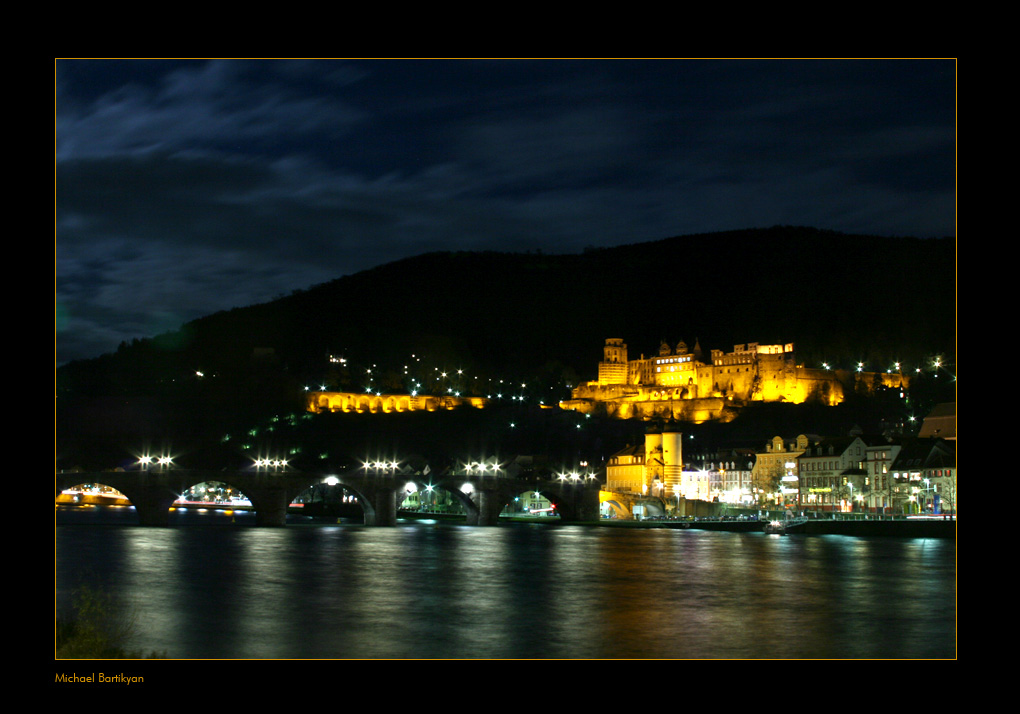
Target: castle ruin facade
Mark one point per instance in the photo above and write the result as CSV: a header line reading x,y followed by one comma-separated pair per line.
x,y
680,383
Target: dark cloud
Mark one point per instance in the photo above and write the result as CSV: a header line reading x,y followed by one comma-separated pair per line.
x,y
183,188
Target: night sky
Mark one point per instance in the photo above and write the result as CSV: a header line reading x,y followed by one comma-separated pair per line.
x,y
187,187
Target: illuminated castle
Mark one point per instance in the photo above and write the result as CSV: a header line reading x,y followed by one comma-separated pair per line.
x,y
678,383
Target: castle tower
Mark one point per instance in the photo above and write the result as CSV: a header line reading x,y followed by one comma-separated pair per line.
x,y
613,367
697,351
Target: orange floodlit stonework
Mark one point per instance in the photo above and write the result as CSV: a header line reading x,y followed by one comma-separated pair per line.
x,y
368,403
681,384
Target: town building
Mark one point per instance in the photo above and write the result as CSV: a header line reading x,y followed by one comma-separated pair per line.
x,y
774,477
924,477
833,474
727,472
878,461
940,423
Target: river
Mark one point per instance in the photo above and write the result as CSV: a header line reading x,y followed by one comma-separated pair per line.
x,y
215,589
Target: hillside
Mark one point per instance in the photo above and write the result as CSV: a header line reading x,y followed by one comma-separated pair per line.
x,y
537,318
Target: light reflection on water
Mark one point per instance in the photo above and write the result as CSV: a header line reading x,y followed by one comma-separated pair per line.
x,y
517,591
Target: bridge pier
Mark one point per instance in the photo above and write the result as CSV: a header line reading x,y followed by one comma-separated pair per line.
x,y
152,502
271,508
490,504
381,509
152,512
582,506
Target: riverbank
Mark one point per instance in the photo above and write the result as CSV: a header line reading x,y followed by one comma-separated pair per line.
x,y
68,514
887,527
898,528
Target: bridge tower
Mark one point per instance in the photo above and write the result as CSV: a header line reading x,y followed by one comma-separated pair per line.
x,y
672,457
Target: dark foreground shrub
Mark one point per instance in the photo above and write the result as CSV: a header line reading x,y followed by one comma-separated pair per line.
x,y
96,629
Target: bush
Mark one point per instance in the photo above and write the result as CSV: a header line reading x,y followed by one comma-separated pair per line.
x,y
97,629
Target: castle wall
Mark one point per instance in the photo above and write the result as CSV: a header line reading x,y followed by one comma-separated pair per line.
x,y
361,403
678,384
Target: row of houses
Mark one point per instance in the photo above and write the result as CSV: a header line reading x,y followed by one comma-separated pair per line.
x,y
807,472
858,472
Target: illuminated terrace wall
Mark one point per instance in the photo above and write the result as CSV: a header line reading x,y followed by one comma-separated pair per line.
x,y
366,403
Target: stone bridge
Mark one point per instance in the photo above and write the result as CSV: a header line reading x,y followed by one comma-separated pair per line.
x,y
153,492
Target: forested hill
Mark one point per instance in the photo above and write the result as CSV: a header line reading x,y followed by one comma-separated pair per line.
x,y
840,298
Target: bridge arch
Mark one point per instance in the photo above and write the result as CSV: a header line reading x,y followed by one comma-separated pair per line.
x,y
615,509
235,496
90,493
462,493
533,501
152,493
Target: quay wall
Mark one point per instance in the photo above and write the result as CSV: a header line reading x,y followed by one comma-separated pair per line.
x,y
900,528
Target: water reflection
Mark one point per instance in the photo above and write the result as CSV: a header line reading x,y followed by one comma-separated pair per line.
x,y
528,591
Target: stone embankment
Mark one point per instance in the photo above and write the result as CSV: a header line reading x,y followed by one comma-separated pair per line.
x,y
889,527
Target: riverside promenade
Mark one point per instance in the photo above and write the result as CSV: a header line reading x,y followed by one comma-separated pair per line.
x,y
869,525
